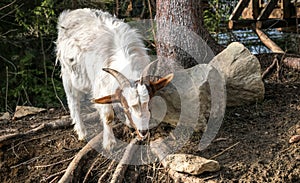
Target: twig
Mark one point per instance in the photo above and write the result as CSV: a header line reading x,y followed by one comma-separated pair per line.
x,y
53,164
44,59
25,162
55,175
106,172
143,10
117,8
54,87
94,143
6,89
118,175
152,23
267,71
228,148
278,70
7,5
89,171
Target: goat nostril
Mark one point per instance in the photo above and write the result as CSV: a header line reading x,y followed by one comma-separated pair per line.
x,y
143,132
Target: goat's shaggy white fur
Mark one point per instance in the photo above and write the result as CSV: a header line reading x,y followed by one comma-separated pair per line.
x,y
89,40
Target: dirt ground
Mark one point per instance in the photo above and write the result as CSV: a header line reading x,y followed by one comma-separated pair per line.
x,y
251,146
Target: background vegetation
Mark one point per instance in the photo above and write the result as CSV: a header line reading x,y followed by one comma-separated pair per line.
x,y
28,74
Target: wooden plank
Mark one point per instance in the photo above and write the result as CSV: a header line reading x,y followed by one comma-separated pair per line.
x,y
263,24
276,23
240,24
268,42
265,13
242,4
255,9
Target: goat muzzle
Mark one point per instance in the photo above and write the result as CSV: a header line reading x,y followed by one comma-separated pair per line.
x,y
142,134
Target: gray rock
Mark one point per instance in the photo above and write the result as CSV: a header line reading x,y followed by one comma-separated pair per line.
x,y
22,111
199,93
242,72
191,164
5,116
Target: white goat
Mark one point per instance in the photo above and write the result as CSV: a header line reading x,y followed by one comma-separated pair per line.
x,y
96,49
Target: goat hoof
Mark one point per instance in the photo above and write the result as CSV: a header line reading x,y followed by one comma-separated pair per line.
x,y
109,144
80,132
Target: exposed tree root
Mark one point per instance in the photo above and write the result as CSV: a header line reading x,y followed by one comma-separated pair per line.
x,y
161,150
87,151
85,180
101,178
268,70
118,175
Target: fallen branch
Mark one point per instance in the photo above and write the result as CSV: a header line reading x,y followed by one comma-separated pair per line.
x,y
161,150
86,151
53,125
268,70
54,176
118,175
64,122
292,62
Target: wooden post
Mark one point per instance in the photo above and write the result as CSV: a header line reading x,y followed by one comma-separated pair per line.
x,y
255,9
268,42
265,13
239,9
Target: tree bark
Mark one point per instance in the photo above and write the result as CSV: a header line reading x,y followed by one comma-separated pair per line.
x,y
179,25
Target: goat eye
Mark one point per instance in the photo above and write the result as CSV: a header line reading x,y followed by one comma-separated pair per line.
x,y
145,105
135,107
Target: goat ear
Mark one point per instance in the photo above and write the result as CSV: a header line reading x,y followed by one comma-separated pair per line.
x,y
157,85
107,99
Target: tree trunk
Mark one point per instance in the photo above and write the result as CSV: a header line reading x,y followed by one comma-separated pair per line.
x,y
181,37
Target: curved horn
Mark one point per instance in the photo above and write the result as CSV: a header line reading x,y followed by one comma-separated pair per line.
x,y
122,80
145,78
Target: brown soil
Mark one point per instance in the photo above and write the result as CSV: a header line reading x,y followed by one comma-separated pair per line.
x,y
252,144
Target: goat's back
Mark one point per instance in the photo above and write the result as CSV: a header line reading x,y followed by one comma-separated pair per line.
x,y
89,40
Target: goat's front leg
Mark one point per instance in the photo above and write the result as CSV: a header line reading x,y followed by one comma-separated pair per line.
x,y
73,97
107,116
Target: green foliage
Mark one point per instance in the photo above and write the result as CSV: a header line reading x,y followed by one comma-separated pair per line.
x,y
27,51
217,14
39,20
27,56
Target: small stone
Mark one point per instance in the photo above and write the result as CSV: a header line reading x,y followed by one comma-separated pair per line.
x,y
294,139
298,131
51,110
191,164
22,111
5,116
